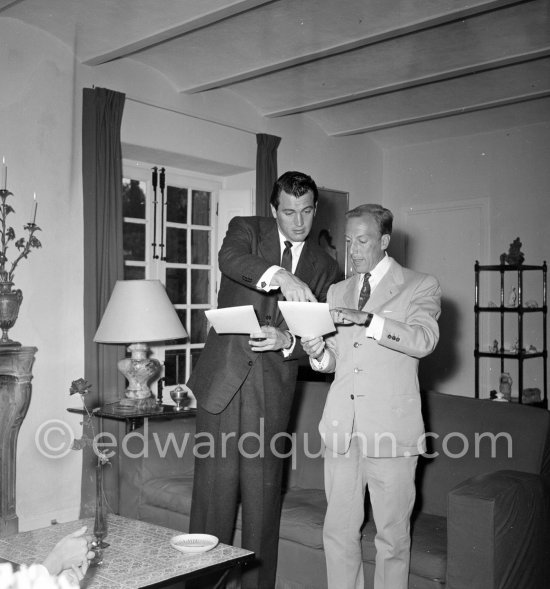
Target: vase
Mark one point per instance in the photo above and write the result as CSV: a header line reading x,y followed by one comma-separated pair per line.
x,y
100,523
10,301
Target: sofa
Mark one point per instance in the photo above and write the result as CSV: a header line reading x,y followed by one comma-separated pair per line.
x,y
481,519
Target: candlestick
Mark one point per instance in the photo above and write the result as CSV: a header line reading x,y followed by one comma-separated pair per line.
x,y
4,174
35,207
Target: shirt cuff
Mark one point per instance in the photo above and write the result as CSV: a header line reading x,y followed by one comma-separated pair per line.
x,y
265,279
376,328
322,363
288,351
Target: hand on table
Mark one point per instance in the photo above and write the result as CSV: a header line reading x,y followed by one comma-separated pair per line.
x,y
71,552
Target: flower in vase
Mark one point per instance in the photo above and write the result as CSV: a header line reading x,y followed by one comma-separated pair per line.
x,y
80,386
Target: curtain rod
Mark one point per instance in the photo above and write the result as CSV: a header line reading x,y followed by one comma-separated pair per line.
x,y
185,114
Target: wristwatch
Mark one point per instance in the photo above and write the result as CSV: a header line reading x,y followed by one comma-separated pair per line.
x,y
368,319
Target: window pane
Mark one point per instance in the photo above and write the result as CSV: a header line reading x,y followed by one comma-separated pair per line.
x,y
176,204
133,198
134,272
182,314
200,247
133,241
201,208
200,286
174,367
199,326
176,285
176,245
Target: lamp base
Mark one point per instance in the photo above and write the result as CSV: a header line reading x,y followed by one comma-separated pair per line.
x,y
147,404
139,371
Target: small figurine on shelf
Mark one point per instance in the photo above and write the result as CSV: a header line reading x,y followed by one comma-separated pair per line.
x,y
513,297
531,395
500,397
531,304
505,386
514,256
493,348
532,349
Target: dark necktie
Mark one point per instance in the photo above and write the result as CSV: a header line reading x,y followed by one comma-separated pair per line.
x,y
286,262
365,292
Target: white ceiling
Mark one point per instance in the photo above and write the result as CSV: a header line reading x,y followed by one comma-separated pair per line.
x,y
353,66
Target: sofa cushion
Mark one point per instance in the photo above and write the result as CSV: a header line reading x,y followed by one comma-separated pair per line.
x,y
428,546
170,492
302,516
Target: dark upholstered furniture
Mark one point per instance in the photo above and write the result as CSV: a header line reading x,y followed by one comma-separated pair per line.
x,y
482,513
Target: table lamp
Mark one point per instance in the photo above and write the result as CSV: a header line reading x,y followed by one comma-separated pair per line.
x,y
139,311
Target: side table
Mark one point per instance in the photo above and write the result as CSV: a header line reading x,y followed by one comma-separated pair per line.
x,y
15,396
134,419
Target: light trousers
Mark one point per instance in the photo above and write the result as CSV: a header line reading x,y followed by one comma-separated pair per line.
x,y
392,493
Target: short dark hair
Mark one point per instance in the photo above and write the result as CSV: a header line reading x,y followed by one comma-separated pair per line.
x,y
295,183
382,216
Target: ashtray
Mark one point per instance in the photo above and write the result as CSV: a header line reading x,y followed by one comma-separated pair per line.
x,y
193,543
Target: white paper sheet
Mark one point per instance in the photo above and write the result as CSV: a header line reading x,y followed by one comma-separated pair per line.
x,y
234,319
307,319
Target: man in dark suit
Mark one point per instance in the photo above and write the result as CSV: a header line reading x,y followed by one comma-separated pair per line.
x,y
245,387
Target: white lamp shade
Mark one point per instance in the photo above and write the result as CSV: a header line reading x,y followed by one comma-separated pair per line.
x,y
139,311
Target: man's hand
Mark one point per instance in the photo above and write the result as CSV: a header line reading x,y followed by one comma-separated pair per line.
x,y
293,288
71,552
345,316
269,339
314,347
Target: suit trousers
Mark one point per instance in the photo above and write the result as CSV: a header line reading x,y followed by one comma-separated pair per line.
x,y
244,465
392,493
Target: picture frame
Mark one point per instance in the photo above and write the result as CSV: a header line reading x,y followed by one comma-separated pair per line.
x,y
329,225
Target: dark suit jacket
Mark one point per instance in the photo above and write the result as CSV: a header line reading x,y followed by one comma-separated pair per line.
x,y
250,247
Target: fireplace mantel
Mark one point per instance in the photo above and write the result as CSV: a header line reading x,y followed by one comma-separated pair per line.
x,y
15,396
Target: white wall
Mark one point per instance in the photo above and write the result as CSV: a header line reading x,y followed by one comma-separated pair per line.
x,y
39,143
509,170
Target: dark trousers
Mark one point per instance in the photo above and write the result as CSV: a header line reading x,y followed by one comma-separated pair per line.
x,y
233,464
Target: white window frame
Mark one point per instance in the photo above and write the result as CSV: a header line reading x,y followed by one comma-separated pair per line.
x,y
156,268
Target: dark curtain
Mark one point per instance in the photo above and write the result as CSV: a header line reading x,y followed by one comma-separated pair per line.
x,y
103,266
266,171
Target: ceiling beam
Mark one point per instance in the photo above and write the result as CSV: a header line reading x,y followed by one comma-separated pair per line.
x,y
482,6
413,83
193,24
481,91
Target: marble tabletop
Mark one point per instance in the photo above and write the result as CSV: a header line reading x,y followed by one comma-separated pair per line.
x,y
139,553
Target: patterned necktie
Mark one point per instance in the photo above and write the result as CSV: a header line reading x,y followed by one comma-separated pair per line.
x,y
365,292
286,262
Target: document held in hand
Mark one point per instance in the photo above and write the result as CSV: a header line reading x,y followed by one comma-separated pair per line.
x,y
234,319
307,319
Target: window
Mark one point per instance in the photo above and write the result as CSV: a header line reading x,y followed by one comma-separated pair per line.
x,y
169,234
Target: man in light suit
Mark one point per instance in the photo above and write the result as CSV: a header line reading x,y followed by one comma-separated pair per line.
x,y
386,317
244,387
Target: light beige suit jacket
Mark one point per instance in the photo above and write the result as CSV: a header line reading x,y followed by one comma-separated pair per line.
x,y
375,393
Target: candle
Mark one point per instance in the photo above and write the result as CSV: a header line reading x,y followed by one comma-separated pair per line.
x,y
35,207
4,174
